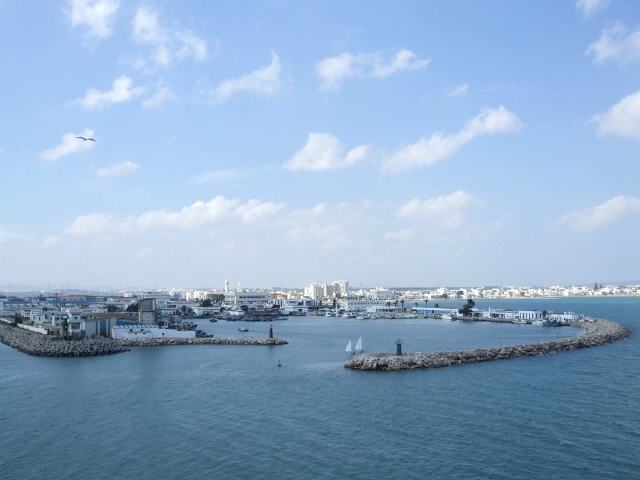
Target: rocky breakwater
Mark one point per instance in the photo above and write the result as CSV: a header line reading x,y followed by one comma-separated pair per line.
x,y
47,346
595,333
155,342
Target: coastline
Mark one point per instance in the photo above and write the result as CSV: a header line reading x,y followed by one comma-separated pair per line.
x,y
156,342
39,345
596,332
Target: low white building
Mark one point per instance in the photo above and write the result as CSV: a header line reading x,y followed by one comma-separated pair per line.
x,y
564,317
206,311
251,299
529,315
360,304
299,306
436,311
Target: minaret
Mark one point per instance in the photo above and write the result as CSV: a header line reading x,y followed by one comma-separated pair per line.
x,y
226,286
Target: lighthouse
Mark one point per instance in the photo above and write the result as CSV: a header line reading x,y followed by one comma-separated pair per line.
x,y
398,347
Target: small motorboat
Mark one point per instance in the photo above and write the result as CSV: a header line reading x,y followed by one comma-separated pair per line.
x,y
213,319
243,329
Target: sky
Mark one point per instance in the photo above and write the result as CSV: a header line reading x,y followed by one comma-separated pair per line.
x,y
275,143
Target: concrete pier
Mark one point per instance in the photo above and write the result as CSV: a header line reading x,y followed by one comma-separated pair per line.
x,y
156,342
46,346
595,333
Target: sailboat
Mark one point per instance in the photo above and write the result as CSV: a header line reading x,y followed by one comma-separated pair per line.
x,y
359,348
349,348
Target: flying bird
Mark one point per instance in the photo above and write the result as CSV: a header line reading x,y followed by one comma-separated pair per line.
x,y
86,139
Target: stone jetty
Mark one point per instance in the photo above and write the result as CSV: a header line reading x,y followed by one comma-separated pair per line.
x,y
47,346
596,332
155,342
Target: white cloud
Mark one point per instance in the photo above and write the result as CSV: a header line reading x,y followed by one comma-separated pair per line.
x,y
591,7
96,15
196,215
458,91
263,81
69,145
323,151
429,150
332,71
51,241
623,119
593,218
117,169
162,96
167,45
448,210
616,45
121,91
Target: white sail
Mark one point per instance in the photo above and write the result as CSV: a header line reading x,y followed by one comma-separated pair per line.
x,y
359,345
349,348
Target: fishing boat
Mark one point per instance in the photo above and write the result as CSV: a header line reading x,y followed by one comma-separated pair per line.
x,y
349,348
243,329
359,348
279,364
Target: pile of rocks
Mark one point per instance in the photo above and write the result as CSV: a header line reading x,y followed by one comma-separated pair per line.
x,y
595,333
47,346
154,342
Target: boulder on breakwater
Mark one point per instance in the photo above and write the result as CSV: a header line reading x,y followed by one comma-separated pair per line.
x,y
155,342
595,333
46,346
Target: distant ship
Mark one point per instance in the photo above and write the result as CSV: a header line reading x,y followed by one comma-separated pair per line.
x,y
243,329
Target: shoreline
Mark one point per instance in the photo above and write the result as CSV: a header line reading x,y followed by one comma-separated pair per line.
x,y
596,332
158,342
39,345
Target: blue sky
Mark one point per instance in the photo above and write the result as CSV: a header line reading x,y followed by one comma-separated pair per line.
x,y
277,142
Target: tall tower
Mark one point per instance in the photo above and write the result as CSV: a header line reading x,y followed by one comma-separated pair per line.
x,y
226,286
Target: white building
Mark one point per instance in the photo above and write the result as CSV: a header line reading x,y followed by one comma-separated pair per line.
x,y
251,299
203,311
341,287
314,291
360,304
564,317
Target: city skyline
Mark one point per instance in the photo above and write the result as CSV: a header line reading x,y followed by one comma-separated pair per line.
x,y
277,143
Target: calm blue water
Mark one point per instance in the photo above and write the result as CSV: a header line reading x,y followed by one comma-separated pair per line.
x,y
229,412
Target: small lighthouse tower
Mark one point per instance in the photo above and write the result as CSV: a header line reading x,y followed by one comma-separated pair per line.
x,y
398,347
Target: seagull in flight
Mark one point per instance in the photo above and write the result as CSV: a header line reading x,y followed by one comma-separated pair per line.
x,y
86,139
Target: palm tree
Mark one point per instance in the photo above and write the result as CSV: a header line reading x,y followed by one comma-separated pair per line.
x,y
402,304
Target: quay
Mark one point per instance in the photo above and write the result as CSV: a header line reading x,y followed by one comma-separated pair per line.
x,y
40,345
37,344
596,332
155,342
